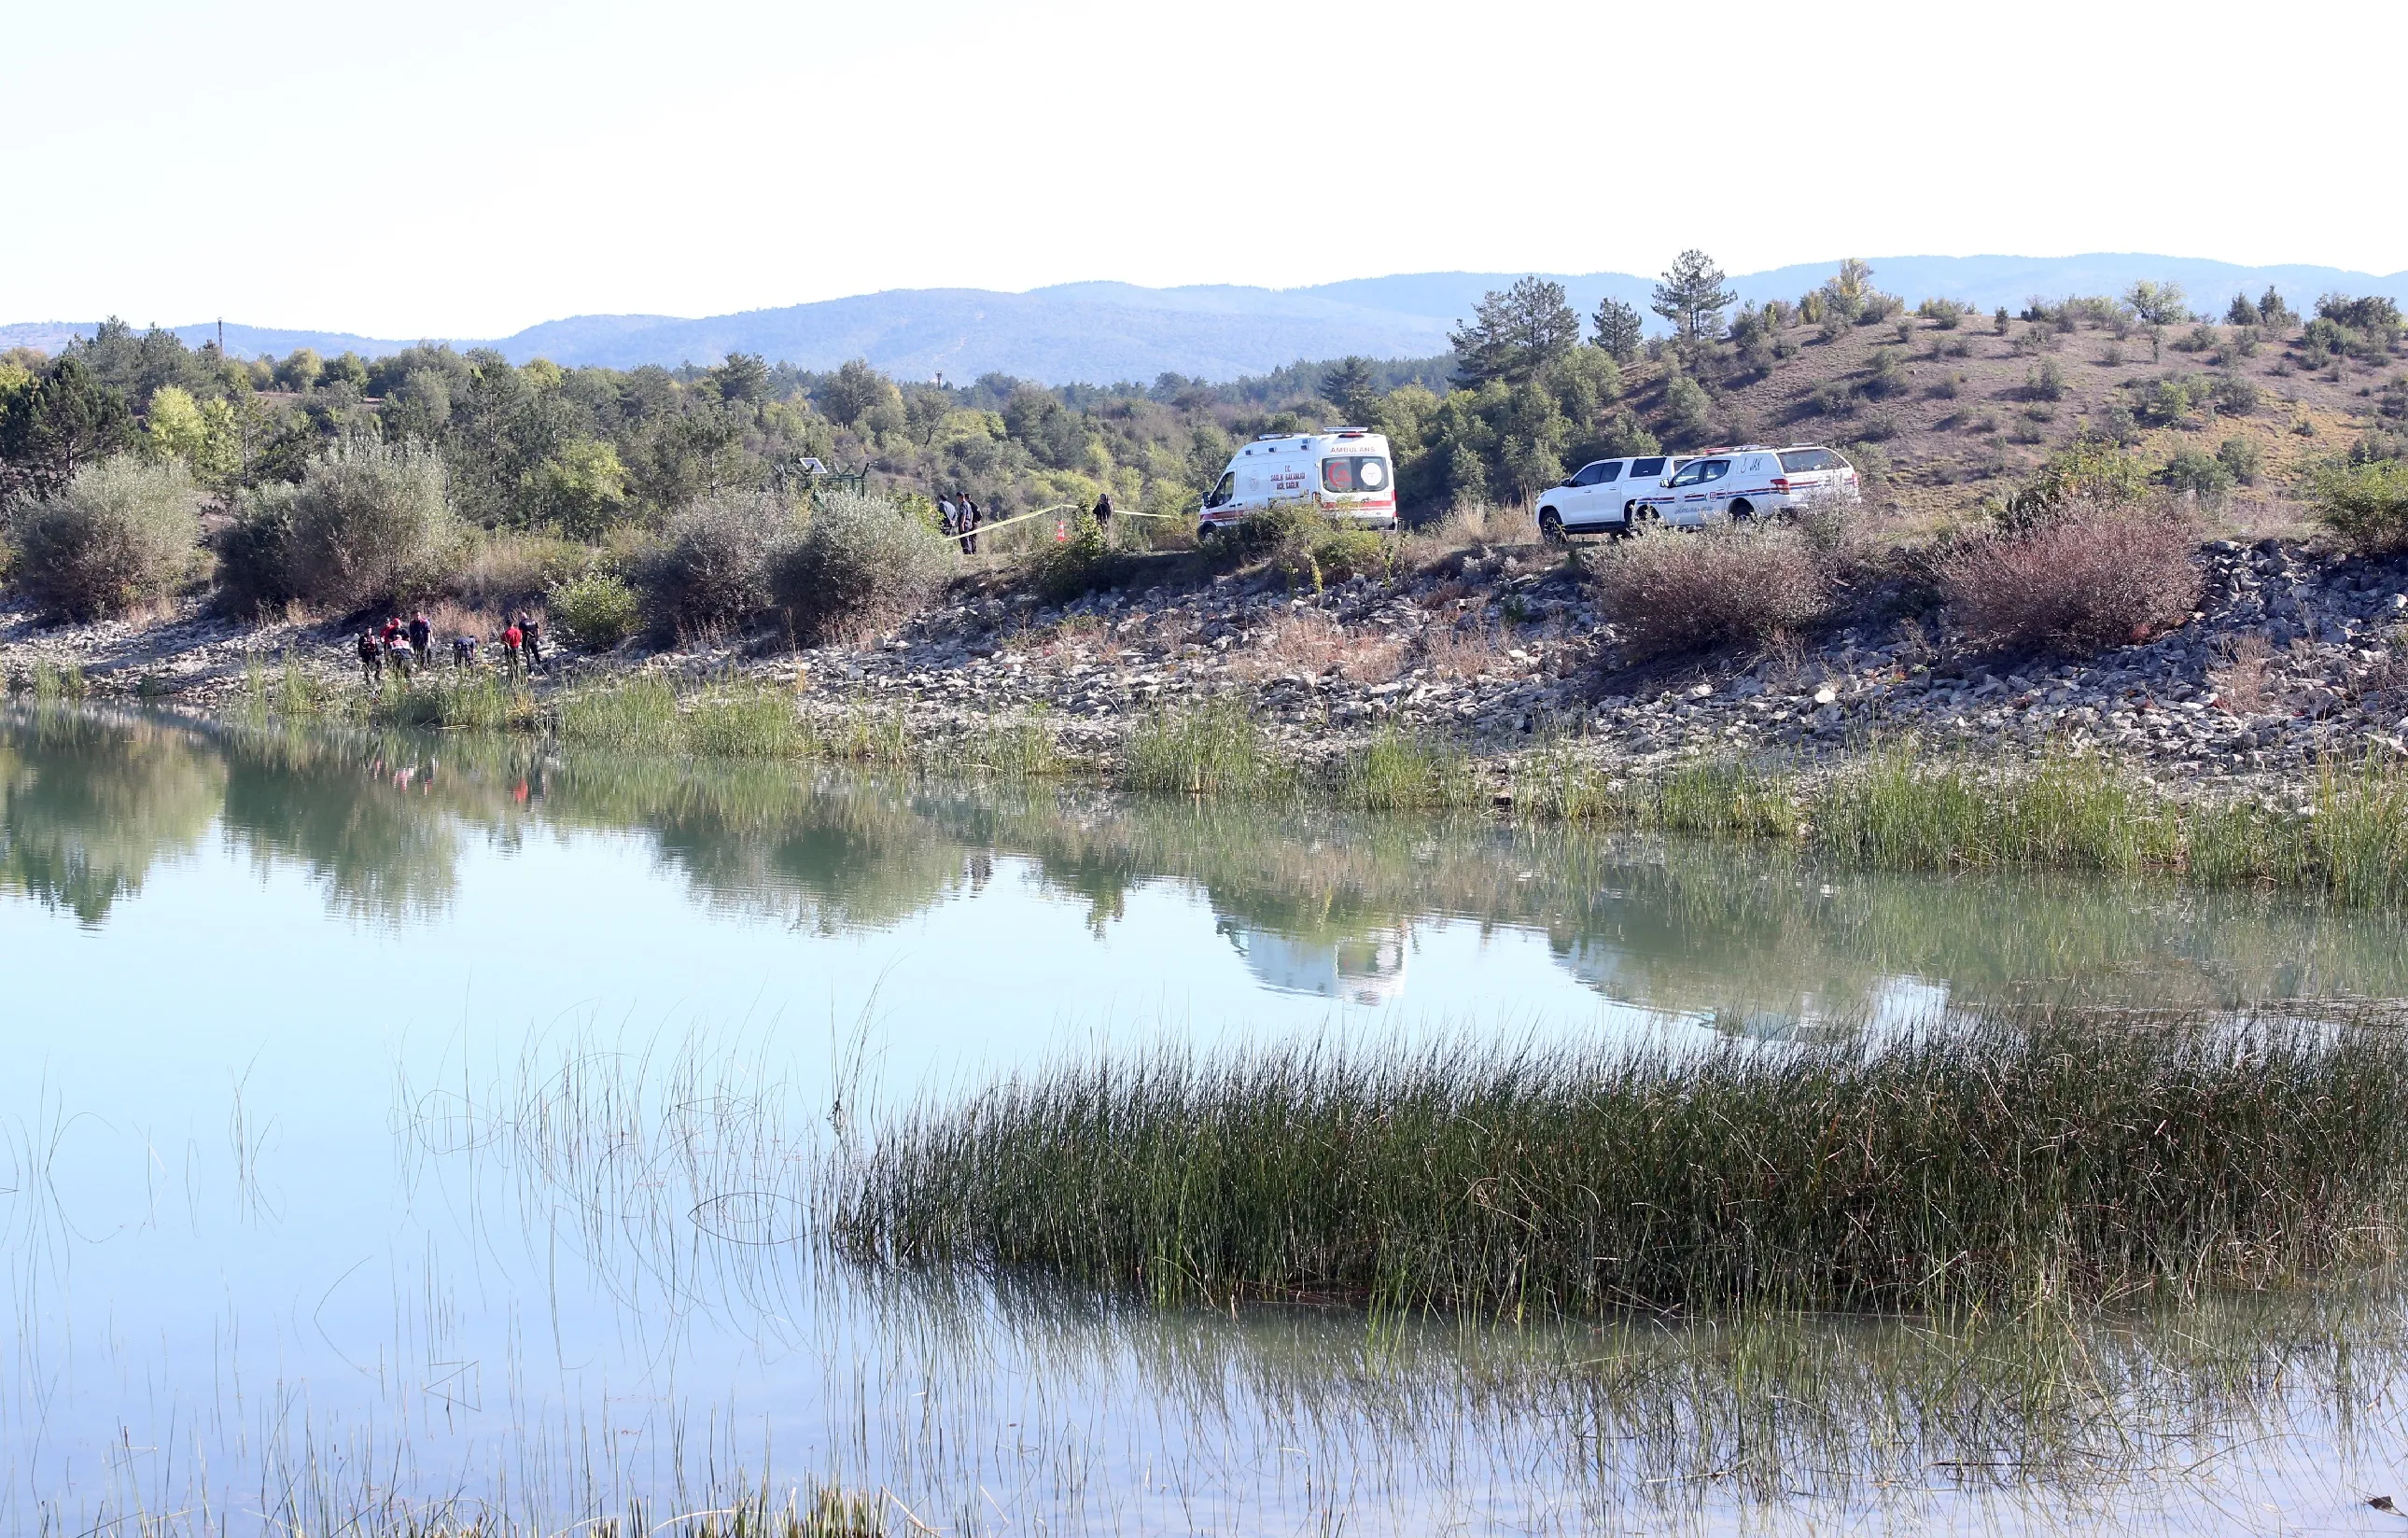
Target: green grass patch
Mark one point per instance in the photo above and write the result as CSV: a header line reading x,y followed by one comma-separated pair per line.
x,y
481,701
1213,748
1399,771
2018,1159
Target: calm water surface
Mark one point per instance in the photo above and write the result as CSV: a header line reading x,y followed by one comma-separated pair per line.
x,y
390,1121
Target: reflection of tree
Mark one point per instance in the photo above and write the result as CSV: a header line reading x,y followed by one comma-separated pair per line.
x,y
359,813
1753,935
88,805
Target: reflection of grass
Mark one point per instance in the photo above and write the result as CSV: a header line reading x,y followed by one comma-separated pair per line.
x,y
2021,1157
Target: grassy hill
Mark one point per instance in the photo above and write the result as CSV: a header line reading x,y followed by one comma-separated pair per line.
x,y
1947,414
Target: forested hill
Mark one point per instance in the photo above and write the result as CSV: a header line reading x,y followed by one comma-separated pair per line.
x,y
1099,333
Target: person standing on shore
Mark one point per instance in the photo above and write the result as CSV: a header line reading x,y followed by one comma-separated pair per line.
x,y
422,637
531,639
511,659
371,659
949,518
972,519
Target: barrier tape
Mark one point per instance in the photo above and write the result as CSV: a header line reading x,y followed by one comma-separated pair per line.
x,y
1058,507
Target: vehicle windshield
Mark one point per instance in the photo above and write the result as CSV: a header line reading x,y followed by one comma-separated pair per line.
x,y
1221,493
1796,460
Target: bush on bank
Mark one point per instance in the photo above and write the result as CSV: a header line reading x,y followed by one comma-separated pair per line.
x,y
2095,575
860,565
119,533
1669,590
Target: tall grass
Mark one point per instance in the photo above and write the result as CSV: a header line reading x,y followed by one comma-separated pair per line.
x,y
2012,1158
638,712
1214,748
1399,771
481,701
53,683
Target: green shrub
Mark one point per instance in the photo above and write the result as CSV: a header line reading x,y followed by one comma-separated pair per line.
x,y
862,564
597,610
1342,554
255,554
2239,459
710,569
2234,396
1671,592
1083,561
1884,374
119,533
2202,474
2367,504
2092,471
1948,314
370,523
1687,409
2045,383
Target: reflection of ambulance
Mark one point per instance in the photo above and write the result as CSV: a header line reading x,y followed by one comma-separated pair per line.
x,y
1346,472
1367,968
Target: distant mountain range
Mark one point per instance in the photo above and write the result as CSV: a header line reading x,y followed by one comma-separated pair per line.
x,y
1103,332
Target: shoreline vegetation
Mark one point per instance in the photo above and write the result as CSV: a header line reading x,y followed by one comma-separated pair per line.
x,y
2003,1160
1888,803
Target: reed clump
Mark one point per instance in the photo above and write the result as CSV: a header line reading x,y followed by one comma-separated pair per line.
x,y
2017,1157
482,701
1215,748
1399,771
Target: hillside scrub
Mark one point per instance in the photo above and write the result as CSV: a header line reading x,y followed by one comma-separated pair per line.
x,y
2366,504
2094,575
861,564
1671,592
117,534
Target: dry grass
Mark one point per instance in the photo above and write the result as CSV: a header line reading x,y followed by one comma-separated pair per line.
x,y
2098,577
1464,526
2242,684
1462,651
1312,644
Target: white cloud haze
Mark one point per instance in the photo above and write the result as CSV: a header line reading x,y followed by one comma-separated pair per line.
x,y
453,168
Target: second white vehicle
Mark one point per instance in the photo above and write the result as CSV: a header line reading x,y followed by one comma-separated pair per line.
x,y
1347,472
1747,482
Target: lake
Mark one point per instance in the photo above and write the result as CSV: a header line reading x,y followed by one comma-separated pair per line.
x,y
404,1127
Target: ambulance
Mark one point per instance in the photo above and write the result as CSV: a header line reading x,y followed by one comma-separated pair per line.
x,y
1346,472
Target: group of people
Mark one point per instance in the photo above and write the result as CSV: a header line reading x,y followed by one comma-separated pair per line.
x,y
961,517
410,647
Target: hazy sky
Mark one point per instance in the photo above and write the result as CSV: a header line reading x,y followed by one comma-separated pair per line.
x,y
467,167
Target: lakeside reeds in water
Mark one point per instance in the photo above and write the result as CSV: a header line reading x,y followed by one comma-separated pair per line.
x,y
2016,1158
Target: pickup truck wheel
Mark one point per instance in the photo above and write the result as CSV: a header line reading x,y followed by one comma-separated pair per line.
x,y
1551,527
1741,513
1207,535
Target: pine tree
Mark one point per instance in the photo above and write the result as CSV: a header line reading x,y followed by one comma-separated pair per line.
x,y
1618,329
1692,295
1351,387
1516,333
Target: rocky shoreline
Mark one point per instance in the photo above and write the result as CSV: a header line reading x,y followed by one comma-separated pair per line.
x,y
1497,647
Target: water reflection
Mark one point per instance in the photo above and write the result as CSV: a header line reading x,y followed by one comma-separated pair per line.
x,y
1315,903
